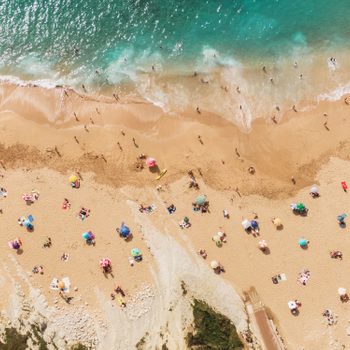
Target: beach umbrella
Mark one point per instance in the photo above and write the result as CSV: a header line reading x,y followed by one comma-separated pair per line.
x,y
214,264
341,291
135,252
151,162
88,235
277,222
216,238
220,234
292,305
105,262
303,242
262,244
73,178
61,285
246,224
200,200
124,231
300,206
27,223
314,190
27,197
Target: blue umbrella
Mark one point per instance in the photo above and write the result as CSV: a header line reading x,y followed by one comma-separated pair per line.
x,y
302,242
86,235
124,231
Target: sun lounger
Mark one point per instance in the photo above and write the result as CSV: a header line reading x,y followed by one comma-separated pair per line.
x,y
279,278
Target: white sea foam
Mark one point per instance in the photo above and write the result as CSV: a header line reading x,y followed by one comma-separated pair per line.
x,y
336,94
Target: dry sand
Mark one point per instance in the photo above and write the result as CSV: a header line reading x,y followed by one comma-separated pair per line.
x,y
38,150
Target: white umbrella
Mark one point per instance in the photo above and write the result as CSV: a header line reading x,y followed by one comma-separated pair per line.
x,y
314,190
216,238
292,305
262,243
246,224
341,291
214,264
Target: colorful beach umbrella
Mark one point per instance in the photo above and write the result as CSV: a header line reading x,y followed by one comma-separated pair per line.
x,y
61,285
200,200
151,162
302,242
300,206
105,262
73,178
124,231
135,252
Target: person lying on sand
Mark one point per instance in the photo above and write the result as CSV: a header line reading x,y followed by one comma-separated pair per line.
x,y
38,269
66,204
203,253
336,254
119,290
83,213
171,209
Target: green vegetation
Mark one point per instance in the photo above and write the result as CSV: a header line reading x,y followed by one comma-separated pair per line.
x,y
79,347
38,339
212,331
183,287
14,340
140,344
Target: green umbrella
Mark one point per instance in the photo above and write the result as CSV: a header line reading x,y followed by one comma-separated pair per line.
x,y
135,252
201,199
300,206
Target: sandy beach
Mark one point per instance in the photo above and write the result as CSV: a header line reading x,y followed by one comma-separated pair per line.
x,y
49,134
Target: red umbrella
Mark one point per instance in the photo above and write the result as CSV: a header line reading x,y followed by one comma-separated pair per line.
x,y
151,162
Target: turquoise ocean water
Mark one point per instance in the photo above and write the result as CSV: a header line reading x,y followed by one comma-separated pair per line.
x,y
107,42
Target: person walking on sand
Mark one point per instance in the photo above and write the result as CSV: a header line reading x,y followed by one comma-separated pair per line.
x,y
200,139
294,109
198,110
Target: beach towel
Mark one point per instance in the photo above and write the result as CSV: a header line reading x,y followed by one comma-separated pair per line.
x,y
66,284
54,284
279,278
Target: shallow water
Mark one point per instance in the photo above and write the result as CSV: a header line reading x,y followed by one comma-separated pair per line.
x,y
105,43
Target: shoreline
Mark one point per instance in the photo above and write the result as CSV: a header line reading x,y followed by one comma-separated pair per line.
x,y
240,93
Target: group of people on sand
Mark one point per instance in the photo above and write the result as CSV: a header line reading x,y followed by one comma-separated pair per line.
x,y
252,227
